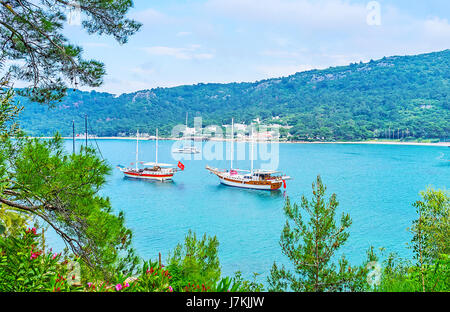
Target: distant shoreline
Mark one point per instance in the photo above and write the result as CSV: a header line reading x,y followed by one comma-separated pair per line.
x,y
441,144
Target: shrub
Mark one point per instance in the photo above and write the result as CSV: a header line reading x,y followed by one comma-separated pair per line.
x,y
24,267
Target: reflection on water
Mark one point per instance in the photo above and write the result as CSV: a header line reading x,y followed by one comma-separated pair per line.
x,y
154,182
154,185
444,160
257,193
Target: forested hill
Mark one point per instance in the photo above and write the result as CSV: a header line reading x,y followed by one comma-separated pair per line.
x,y
410,94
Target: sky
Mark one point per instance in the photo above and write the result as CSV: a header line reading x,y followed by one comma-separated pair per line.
x,y
200,41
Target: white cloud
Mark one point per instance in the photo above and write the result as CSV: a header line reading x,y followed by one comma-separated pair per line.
x,y
437,27
184,33
342,59
189,53
119,86
143,71
95,45
151,16
280,53
320,14
194,46
203,56
274,71
179,53
280,41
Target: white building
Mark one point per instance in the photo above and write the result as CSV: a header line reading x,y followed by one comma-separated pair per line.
x,y
237,127
189,131
240,127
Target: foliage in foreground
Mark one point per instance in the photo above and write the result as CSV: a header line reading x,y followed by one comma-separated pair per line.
x,y
429,270
26,266
195,261
35,50
310,246
40,179
399,275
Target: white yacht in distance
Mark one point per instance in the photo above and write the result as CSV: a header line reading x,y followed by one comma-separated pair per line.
x,y
187,149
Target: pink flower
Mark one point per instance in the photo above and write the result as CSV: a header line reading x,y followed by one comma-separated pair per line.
x,y
34,255
33,230
170,288
54,256
89,284
126,285
118,287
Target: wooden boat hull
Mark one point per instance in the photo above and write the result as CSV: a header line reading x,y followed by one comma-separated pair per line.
x,y
226,179
254,185
154,176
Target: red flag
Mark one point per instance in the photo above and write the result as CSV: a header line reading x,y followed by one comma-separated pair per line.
x,y
284,183
180,165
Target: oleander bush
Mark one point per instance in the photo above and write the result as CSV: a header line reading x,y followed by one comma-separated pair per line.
x,y
25,266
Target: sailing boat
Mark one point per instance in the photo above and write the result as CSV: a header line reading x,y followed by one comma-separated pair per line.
x,y
155,170
187,149
257,179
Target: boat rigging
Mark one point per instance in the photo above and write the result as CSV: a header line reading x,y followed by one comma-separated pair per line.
x,y
251,179
153,170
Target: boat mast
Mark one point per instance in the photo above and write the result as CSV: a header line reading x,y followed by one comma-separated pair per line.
x,y
156,158
73,137
232,142
186,133
86,128
251,154
137,148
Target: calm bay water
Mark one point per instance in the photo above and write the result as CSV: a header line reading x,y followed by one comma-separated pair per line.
x,y
375,184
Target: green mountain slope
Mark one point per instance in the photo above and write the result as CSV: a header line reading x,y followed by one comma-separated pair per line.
x,y
408,94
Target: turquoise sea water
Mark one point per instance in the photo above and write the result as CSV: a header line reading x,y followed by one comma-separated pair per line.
x,y
375,184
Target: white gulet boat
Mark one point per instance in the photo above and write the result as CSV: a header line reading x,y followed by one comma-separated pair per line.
x,y
187,149
251,179
154,171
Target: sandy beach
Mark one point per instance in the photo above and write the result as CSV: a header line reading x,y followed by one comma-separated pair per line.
x,y
443,144
440,144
